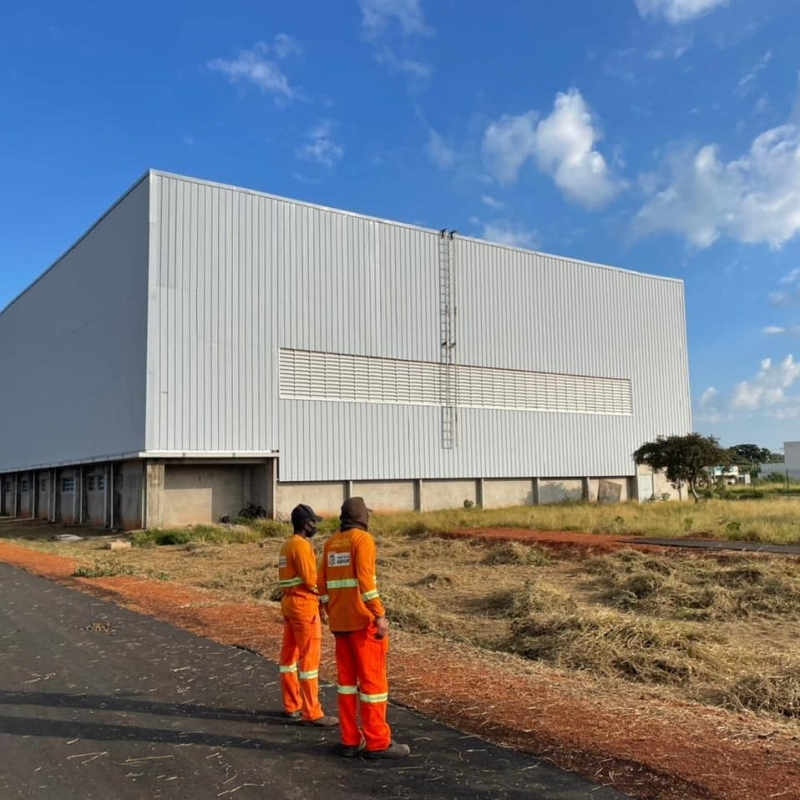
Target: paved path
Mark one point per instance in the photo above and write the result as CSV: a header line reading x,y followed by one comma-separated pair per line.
x,y
709,544
99,702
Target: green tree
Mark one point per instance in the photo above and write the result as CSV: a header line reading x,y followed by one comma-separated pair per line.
x,y
683,459
746,455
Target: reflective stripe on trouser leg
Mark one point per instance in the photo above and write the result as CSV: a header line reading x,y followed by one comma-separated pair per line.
x,y
347,690
290,685
373,687
308,636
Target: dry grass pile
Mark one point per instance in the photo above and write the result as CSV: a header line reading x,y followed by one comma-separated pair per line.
x,y
774,689
408,609
688,587
115,567
523,601
516,553
613,644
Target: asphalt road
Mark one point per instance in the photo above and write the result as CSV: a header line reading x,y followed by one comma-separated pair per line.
x,y
99,702
709,544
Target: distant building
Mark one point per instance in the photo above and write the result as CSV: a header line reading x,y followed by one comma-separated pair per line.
x,y
791,465
732,475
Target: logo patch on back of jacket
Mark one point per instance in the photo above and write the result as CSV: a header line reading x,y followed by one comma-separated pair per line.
x,y
338,559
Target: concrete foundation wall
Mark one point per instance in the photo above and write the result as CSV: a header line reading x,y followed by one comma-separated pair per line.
x,y
170,494
560,491
500,494
391,495
324,498
199,494
609,490
447,494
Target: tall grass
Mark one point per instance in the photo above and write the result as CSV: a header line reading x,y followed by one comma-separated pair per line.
x,y
769,521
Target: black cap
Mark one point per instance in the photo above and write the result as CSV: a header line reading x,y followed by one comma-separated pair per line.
x,y
302,514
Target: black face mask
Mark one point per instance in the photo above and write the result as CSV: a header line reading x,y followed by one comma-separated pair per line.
x,y
310,530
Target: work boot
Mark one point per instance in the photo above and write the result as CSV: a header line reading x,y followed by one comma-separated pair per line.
x,y
394,750
324,721
352,750
293,716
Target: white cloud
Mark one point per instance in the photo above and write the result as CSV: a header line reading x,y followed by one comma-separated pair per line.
x,y
707,396
677,11
768,387
412,68
439,151
777,330
320,147
792,277
508,144
285,46
789,296
748,83
752,199
377,15
259,66
504,232
490,201
380,20
563,146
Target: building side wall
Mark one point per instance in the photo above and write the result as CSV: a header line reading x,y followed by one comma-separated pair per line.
x,y
73,349
365,287
212,330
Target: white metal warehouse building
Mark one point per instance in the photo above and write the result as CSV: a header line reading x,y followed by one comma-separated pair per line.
x,y
204,346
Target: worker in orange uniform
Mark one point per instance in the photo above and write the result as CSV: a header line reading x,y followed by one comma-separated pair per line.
x,y
302,630
349,595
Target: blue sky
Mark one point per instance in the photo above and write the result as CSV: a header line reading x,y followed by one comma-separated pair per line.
x,y
658,135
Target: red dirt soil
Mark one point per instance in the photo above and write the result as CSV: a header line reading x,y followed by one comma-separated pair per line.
x,y
643,745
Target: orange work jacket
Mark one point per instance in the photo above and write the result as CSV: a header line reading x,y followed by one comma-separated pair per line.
x,y
297,576
347,582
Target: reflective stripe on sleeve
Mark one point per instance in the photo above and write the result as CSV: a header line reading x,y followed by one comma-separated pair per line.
x,y
345,583
289,668
308,676
373,698
369,595
347,689
290,582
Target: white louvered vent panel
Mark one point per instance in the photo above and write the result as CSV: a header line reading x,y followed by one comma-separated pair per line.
x,y
309,375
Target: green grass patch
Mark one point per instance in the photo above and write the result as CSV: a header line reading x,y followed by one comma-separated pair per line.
x,y
103,568
211,534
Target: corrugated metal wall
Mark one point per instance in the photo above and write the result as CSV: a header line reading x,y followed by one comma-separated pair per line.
x,y
73,349
236,275
213,320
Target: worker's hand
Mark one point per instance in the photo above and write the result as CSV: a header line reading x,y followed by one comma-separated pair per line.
x,y
323,616
382,624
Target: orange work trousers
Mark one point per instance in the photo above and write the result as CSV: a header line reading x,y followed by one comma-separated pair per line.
x,y
363,689
300,657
